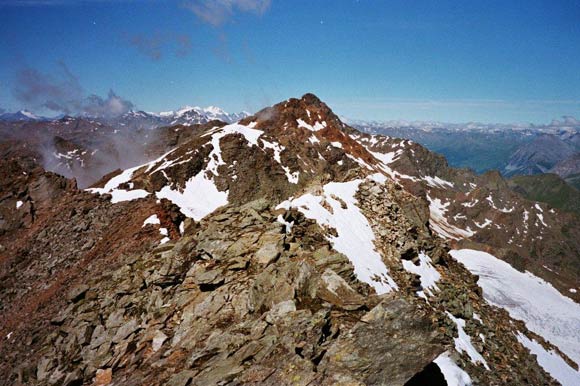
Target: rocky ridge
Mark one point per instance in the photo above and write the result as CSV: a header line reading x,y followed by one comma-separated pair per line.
x,y
258,287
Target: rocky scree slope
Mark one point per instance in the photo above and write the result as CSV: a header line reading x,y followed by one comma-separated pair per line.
x,y
286,249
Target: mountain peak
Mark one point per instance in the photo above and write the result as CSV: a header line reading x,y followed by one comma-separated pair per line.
x,y
312,99
21,115
308,112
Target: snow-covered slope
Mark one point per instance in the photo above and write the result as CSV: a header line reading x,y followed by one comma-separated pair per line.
x,y
545,311
200,196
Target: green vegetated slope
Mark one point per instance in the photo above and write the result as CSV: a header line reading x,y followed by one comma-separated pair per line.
x,y
549,188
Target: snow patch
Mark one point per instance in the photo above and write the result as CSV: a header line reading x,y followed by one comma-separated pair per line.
x,y
336,144
453,374
313,139
483,225
439,224
359,161
277,148
426,271
541,217
470,204
388,158
199,198
119,195
153,219
287,225
463,342
19,204
317,125
437,182
215,157
355,237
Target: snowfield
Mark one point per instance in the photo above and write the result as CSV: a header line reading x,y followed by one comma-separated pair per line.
x,y
551,362
529,298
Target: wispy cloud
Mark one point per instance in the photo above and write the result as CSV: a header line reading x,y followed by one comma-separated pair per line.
x,y
158,44
63,93
218,12
222,50
56,93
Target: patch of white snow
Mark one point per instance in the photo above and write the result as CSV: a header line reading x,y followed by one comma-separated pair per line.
x,y
453,374
355,237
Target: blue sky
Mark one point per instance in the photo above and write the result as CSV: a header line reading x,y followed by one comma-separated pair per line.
x,y
488,61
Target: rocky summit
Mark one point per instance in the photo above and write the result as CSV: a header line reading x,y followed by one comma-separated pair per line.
x,y
286,248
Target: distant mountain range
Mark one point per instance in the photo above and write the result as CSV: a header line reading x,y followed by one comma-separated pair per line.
x,y
186,116
513,149
566,124
540,155
19,116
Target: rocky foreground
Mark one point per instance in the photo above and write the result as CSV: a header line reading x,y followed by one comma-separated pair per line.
x,y
286,249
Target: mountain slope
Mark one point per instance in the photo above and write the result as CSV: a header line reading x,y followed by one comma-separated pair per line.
x,y
284,249
548,188
569,169
538,156
480,150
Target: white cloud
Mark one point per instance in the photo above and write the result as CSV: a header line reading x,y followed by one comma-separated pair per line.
x,y
218,12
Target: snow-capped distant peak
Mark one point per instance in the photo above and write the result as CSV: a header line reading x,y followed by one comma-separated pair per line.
x,y
137,113
28,114
184,110
164,113
214,110
195,114
22,115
